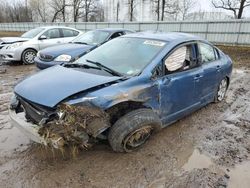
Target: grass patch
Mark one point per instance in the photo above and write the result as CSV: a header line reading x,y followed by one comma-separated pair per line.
x,y
10,33
240,55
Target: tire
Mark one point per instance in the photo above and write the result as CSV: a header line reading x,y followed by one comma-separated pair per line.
x,y
28,56
133,129
221,91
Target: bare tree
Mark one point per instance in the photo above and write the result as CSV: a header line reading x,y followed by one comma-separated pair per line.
x,y
14,12
117,10
58,7
39,10
76,5
157,10
165,8
131,9
236,6
185,7
89,7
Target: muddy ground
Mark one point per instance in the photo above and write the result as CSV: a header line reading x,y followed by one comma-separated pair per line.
x,y
209,148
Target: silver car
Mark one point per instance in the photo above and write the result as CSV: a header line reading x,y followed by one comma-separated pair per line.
x,y
25,48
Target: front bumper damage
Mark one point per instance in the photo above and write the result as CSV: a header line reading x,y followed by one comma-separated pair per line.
x,y
29,129
76,126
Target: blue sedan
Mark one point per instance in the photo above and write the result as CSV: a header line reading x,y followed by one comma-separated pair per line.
x,y
122,91
81,45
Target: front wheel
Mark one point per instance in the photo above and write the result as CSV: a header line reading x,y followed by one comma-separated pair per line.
x,y
222,89
133,129
28,56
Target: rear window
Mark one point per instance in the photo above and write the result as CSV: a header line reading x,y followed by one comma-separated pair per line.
x,y
52,34
69,33
207,52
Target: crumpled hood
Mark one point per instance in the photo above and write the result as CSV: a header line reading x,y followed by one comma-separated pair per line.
x,y
71,49
51,86
9,40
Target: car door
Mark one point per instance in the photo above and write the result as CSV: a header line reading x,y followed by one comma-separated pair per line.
x,y
68,34
49,38
211,66
177,85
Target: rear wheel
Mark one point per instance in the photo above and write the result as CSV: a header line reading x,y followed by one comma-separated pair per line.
x,y
222,89
28,56
133,129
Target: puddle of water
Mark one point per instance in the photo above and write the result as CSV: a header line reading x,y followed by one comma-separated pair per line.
x,y
197,160
240,176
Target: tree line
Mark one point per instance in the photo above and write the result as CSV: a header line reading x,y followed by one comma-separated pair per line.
x,y
92,10
51,11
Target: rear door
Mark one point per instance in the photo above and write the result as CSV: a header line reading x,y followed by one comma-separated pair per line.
x,y
53,37
68,34
208,84
177,87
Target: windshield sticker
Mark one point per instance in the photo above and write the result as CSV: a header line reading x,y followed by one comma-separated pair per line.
x,y
154,43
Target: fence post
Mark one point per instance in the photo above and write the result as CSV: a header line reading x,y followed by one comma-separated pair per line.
x,y
180,28
157,26
206,34
238,35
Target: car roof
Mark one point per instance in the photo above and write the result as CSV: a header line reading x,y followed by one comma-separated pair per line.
x,y
168,37
114,29
50,27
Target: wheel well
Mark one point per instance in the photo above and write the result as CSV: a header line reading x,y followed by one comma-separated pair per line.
x,y
120,109
29,49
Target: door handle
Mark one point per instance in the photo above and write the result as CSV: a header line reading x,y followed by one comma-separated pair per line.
x,y
58,42
218,68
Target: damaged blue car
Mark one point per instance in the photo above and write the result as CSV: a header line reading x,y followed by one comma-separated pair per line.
x,y
122,91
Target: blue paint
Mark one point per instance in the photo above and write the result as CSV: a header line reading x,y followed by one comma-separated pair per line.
x,y
171,96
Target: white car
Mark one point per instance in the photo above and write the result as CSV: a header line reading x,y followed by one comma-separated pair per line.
x,y
25,48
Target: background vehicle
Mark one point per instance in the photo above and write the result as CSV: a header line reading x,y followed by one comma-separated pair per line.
x,y
122,91
25,48
81,45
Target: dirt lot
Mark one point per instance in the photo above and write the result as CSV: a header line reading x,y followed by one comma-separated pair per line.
x,y
210,148
10,34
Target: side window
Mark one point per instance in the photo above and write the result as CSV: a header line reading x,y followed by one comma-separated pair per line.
x,y
69,33
52,34
158,71
117,34
207,53
217,56
128,32
180,59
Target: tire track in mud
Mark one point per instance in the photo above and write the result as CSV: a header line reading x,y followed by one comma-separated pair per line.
x,y
212,131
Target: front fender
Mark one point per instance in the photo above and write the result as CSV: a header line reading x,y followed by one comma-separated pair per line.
x,y
147,94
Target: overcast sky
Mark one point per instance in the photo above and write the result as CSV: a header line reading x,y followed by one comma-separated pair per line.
x,y
206,5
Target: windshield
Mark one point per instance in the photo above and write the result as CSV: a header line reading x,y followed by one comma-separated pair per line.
x,y
92,37
127,56
32,33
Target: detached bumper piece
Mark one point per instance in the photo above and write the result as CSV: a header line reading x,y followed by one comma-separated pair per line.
x,y
29,129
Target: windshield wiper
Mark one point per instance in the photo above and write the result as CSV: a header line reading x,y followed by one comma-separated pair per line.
x,y
103,67
81,43
78,65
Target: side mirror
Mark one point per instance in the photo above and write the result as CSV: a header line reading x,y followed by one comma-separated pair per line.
x,y
42,37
